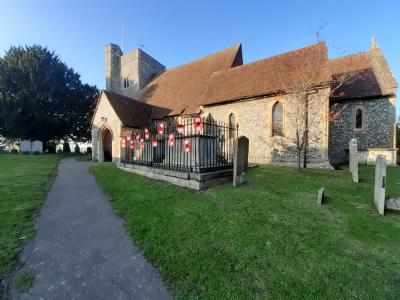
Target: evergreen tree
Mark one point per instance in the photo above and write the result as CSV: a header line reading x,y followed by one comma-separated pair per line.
x,y
41,98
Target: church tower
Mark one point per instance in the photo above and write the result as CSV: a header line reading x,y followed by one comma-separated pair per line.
x,y
128,73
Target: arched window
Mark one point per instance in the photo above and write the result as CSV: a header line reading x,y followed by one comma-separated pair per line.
x,y
126,82
359,119
232,125
277,119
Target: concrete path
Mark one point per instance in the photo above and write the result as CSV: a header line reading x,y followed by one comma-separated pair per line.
x,y
81,250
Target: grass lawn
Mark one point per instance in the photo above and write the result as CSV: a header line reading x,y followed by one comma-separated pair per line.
x,y
266,239
83,157
24,181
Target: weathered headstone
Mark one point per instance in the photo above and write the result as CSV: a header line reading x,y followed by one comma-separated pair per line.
x,y
380,183
37,146
240,160
353,152
321,195
393,203
26,146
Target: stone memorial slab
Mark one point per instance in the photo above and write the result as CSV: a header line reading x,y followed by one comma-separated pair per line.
x,y
37,146
240,160
26,146
353,152
321,195
380,184
393,203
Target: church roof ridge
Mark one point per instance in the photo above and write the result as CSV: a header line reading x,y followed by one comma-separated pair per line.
x,y
196,60
180,88
261,77
275,56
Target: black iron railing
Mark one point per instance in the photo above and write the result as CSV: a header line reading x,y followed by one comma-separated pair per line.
x,y
193,145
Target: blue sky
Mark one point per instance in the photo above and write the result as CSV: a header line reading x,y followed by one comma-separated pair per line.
x,y
176,32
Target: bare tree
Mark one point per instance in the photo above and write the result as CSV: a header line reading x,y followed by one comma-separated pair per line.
x,y
398,135
311,82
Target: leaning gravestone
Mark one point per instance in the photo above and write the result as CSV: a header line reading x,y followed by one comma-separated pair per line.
x,y
26,146
240,160
37,146
321,195
353,159
380,184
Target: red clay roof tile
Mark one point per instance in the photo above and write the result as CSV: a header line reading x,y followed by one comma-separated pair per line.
x,y
365,74
133,113
180,88
276,74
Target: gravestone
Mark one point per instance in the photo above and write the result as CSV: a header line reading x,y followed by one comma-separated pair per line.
x,y
321,195
353,152
26,146
393,203
380,184
240,160
37,146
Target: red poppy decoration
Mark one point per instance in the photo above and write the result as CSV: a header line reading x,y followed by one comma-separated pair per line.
x,y
171,139
154,141
180,128
198,123
137,135
123,142
141,143
186,146
132,144
160,128
146,133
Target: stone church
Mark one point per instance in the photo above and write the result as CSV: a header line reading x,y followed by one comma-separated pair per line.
x,y
348,97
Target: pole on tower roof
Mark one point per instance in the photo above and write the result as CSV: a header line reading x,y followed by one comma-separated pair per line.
x,y
122,37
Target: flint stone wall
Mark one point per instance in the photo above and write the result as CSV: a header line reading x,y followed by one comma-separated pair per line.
x,y
105,118
137,66
255,122
379,119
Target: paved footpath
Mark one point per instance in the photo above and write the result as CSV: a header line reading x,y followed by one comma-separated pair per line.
x,y
81,249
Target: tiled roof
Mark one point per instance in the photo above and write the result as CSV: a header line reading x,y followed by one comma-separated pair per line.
x,y
365,74
386,79
180,88
222,77
284,72
133,113
354,77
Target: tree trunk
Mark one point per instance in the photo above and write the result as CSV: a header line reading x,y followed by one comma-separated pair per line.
x,y
299,159
305,134
45,146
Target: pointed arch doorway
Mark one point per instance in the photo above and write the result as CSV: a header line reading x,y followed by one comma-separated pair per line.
x,y
107,145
